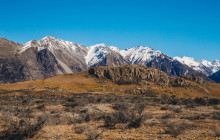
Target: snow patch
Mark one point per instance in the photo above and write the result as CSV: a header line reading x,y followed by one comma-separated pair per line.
x,y
26,46
116,49
96,54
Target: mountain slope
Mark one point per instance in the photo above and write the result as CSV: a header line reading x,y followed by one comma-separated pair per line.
x,y
8,48
11,67
215,77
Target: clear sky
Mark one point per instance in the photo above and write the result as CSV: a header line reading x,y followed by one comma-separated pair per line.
x,y
175,27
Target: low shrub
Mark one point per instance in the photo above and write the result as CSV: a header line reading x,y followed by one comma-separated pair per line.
x,y
92,134
216,115
79,129
120,106
176,128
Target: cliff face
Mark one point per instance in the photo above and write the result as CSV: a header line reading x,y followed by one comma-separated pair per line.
x,y
131,74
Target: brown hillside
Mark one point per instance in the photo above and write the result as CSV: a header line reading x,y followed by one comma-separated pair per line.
x,y
123,79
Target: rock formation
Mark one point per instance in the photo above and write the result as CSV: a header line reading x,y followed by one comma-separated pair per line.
x,y
130,74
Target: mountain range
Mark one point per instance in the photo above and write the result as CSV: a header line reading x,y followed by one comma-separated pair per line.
x,y
51,56
202,66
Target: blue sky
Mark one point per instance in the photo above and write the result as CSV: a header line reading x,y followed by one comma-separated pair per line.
x,y
175,27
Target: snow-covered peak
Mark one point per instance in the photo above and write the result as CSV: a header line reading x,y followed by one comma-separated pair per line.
x,y
190,61
139,47
96,54
216,62
203,66
140,54
54,44
214,65
101,45
49,38
206,63
116,49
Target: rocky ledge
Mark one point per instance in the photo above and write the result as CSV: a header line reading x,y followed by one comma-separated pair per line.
x,y
142,75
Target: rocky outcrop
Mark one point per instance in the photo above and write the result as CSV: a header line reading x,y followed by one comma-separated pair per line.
x,y
142,75
184,81
197,79
179,82
130,74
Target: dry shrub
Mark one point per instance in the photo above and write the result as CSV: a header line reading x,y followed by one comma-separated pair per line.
x,y
177,110
216,115
131,119
176,128
21,129
79,129
216,131
120,106
92,134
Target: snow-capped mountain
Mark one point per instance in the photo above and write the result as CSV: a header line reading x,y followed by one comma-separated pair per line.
x,y
102,55
196,65
140,55
202,66
214,65
147,56
69,55
96,54
51,56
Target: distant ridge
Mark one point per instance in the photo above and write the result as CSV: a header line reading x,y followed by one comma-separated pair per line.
x,y
52,56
